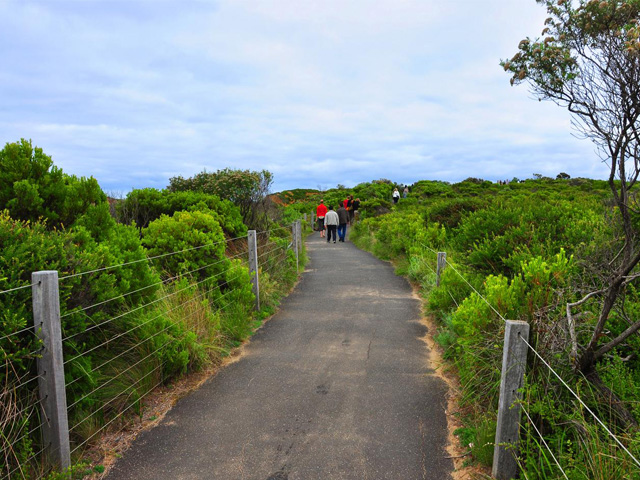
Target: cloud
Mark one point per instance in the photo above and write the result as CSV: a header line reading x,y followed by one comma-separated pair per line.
x,y
317,92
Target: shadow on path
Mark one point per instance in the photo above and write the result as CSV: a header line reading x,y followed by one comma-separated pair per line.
x,y
335,386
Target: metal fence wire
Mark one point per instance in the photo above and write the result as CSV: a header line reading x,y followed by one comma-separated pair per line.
x,y
23,402
546,364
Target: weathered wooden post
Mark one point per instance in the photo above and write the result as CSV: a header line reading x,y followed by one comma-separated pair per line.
x,y
514,362
442,262
299,235
294,242
53,397
253,266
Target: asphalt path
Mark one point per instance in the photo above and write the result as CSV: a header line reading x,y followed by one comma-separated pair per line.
x,y
336,385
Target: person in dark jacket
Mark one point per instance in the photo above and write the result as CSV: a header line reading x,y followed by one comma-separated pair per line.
x,y
343,219
353,213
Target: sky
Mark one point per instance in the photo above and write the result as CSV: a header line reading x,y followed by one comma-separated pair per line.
x,y
318,92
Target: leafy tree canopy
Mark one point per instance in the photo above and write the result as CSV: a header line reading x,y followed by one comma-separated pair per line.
x,y
32,187
245,188
588,61
146,205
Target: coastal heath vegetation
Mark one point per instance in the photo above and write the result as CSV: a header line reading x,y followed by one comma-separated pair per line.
x,y
152,286
517,250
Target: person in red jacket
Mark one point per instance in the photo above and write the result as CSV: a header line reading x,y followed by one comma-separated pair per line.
x,y
321,211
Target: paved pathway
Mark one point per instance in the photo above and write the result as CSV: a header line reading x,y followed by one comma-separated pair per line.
x,y
335,386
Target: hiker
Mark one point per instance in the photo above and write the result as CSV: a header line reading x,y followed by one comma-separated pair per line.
x,y
396,195
331,222
321,211
343,219
406,191
353,213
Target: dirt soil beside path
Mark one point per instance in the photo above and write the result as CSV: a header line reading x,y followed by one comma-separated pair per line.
x,y
114,443
457,452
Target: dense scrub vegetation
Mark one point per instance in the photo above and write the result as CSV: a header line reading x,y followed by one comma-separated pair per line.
x,y
519,251
168,292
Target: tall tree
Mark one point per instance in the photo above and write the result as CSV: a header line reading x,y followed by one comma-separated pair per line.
x,y
588,61
245,188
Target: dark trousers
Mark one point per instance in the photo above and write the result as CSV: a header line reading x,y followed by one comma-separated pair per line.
x,y
342,231
331,229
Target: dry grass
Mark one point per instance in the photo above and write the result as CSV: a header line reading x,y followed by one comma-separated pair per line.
x,y
446,372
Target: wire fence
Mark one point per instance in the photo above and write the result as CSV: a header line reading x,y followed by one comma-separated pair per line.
x,y
116,351
543,443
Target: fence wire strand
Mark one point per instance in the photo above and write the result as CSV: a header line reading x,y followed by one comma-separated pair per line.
x,y
142,396
143,341
26,382
32,457
163,282
18,332
137,309
269,252
271,246
637,462
148,258
476,291
22,287
611,434
116,417
144,323
428,248
544,441
138,362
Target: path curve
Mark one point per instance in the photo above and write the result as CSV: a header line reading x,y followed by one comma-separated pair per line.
x,y
336,385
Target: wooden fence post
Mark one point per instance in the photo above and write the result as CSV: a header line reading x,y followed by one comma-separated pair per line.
x,y
294,242
442,262
53,397
514,362
299,235
253,266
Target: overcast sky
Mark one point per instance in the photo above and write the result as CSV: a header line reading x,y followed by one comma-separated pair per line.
x,y
319,92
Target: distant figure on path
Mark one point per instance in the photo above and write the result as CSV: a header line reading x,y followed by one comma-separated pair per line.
x,y
405,192
343,219
396,195
321,211
331,222
353,213
349,207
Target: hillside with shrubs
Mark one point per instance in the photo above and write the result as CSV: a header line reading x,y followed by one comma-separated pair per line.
x,y
152,286
530,250
156,285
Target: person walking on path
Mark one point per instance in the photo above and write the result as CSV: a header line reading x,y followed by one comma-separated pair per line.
x,y
321,211
396,195
405,192
343,219
331,221
353,213
349,207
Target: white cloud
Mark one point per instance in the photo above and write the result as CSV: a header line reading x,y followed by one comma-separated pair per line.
x,y
349,91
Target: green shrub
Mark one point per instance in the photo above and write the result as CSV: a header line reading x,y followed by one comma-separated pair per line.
x,y
449,212
33,188
195,237
86,302
146,205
